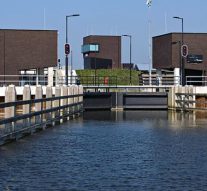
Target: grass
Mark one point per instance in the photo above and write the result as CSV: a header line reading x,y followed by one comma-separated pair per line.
x,y
121,76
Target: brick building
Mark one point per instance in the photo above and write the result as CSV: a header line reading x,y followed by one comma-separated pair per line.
x,y
22,50
101,52
167,55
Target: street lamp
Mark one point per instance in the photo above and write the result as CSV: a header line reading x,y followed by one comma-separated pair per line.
x,y
130,57
71,71
183,61
180,60
66,42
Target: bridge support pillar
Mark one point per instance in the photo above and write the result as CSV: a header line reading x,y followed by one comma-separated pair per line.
x,y
27,108
48,116
38,106
64,112
56,103
76,91
10,96
70,101
73,100
80,98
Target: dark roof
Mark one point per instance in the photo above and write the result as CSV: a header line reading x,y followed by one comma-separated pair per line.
x,y
25,30
185,33
102,36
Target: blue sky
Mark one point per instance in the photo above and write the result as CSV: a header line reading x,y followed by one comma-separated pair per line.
x,y
105,17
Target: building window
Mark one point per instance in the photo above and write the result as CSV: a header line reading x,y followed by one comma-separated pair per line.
x,y
86,48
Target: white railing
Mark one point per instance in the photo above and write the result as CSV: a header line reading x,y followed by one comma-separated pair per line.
x,y
22,80
144,80
196,80
34,80
159,80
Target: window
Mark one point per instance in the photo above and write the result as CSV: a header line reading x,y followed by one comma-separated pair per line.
x,y
90,48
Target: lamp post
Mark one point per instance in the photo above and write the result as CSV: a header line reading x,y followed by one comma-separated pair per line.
x,y
183,61
66,41
130,57
180,60
4,60
71,71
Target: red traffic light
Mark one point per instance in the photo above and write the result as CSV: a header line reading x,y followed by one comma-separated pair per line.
x,y
67,49
184,50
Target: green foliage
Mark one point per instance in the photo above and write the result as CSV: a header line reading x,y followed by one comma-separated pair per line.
x,y
114,76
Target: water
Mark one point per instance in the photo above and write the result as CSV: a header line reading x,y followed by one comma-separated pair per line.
x,y
133,150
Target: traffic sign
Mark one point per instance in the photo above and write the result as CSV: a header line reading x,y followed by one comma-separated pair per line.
x,y
184,50
67,49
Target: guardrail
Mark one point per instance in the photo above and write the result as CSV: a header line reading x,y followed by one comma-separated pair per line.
x,y
19,118
22,80
159,80
118,88
142,80
91,80
196,80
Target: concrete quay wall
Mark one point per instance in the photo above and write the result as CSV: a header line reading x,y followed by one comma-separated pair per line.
x,y
187,98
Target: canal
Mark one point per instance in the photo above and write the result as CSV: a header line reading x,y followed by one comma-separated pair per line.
x,y
131,150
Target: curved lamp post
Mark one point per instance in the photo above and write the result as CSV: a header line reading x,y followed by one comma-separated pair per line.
x,y
66,41
183,61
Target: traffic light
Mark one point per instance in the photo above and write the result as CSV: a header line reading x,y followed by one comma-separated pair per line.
x,y
67,49
184,50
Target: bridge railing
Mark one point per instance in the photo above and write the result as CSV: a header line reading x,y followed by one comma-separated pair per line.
x,y
142,80
196,80
98,80
157,80
34,80
22,80
22,117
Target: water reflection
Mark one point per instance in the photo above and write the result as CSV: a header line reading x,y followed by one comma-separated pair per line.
x,y
161,118
130,150
187,119
124,115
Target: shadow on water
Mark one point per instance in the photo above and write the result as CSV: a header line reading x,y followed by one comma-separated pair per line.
x,y
124,115
172,118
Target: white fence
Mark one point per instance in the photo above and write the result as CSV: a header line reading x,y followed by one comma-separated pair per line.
x,y
196,80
